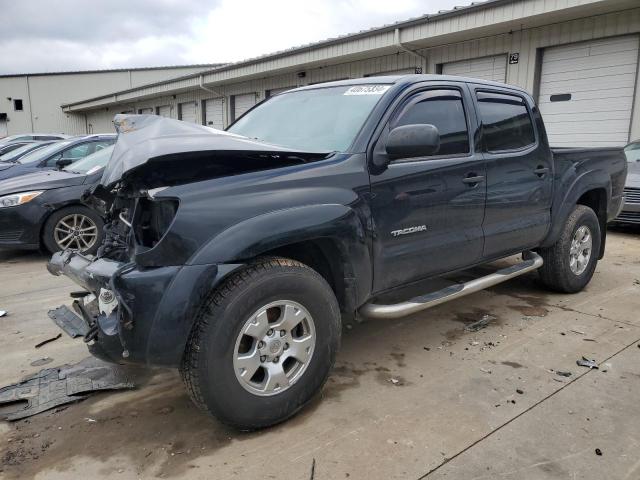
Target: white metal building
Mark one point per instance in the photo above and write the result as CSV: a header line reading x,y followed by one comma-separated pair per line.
x,y
579,58
31,102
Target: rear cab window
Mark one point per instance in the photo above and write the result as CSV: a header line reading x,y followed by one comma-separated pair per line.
x,y
506,122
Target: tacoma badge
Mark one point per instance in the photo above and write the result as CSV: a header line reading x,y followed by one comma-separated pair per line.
x,y
405,231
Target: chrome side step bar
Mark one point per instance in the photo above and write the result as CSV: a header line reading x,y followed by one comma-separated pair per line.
x,y
531,261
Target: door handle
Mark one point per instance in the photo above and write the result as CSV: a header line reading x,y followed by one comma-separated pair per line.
x,y
541,171
472,179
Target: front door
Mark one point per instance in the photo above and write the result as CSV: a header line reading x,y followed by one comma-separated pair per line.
x,y
427,212
519,173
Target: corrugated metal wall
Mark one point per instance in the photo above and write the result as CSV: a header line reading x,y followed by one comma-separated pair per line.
x,y
527,43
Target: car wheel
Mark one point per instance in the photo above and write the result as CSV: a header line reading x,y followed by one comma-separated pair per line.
x,y
76,228
569,263
263,344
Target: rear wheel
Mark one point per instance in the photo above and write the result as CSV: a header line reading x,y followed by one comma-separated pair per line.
x,y
263,344
569,263
76,228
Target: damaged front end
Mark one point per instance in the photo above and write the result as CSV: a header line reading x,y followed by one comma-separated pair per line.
x,y
141,293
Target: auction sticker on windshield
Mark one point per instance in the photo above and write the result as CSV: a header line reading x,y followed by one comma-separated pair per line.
x,y
367,90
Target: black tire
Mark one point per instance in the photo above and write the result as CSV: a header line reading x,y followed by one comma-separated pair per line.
x,y
48,230
207,367
556,272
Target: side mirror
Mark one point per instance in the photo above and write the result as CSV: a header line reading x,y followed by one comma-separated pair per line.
x,y
410,141
63,162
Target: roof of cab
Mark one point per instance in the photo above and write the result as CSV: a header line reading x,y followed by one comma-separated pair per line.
x,y
409,79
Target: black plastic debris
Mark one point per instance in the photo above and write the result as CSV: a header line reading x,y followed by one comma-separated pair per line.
x,y
480,324
68,321
598,452
585,362
563,374
56,386
48,340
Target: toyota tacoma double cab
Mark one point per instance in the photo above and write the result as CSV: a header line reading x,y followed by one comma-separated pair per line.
x,y
236,256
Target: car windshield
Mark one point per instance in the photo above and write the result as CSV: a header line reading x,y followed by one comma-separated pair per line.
x,y
43,153
14,154
91,163
632,152
318,120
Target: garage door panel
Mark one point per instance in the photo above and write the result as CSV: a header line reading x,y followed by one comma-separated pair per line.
x,y
591,73
600,76
214,113
486,68
593,62
588,84
242,103
590,125
164,111
188,112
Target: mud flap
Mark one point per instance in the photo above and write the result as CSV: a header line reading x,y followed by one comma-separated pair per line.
x,y
72,324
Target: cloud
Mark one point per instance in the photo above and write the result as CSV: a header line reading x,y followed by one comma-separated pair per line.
x,y
41,36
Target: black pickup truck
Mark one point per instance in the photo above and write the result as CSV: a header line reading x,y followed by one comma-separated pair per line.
x,y
236,256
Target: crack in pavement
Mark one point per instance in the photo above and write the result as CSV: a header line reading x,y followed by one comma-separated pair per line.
x,y
447,460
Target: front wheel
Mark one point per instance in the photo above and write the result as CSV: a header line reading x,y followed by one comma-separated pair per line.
x,y
76,228
263,344
570,262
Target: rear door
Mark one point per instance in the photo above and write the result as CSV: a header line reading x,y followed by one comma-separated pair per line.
x,y
519,172
428,211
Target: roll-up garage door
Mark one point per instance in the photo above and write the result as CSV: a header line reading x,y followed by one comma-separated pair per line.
x,y
402,71
242,103
187,112
145,111
586,92
276,91
164,111
214,113
487,68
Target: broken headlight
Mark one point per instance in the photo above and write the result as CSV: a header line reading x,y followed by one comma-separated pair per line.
x,y
152,220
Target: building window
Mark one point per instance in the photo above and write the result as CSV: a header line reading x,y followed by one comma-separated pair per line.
x,y
17,104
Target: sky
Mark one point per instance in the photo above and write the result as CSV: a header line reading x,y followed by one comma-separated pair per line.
x,y
61,35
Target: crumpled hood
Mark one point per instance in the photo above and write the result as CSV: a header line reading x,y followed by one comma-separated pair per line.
x,y
40,180
151,141
633,175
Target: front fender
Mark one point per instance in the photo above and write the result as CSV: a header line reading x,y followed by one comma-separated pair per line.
x,y
261,234
570,189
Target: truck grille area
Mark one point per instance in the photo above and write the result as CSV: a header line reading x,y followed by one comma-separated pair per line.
x,y
629,217
632,195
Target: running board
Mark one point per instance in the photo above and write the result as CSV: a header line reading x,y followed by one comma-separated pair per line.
x,y
531,261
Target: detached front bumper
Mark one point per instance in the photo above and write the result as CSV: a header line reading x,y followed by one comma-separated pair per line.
x,y
134,314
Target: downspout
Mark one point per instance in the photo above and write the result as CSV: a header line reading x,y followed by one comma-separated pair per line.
x,y
206,89
401,46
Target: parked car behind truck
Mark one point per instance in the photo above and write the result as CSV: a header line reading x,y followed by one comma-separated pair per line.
x,y
237,257
630,213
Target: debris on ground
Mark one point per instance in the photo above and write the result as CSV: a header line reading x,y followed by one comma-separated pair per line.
x,y
41,361
480,324
519,391
598,452
484,370
48,340
585,362
69,321
56,386
577,331
3,313
589,339
563,374
313,469
395,381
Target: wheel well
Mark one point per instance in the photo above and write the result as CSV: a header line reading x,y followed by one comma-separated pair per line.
x,y
596,200
324,257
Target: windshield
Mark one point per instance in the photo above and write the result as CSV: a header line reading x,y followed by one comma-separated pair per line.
x,y
632,152
42,153
91,163
13,154
318,120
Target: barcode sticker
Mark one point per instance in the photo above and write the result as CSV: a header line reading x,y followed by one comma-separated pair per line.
x,y
367,90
